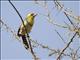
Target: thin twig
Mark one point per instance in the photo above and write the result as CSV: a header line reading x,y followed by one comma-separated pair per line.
x,y
60,36
31,49
62,39
49,19
71,40
69,19
58,4
10,30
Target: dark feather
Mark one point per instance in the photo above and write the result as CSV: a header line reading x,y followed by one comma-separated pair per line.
x,y
25,41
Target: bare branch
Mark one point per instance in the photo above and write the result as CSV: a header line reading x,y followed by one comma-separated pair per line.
x,y
71,40
69,19
49,19
60,36
59,5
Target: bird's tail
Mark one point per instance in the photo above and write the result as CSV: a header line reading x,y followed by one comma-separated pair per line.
x,y
25,42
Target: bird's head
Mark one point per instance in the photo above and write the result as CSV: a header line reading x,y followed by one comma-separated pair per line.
x,y
31,15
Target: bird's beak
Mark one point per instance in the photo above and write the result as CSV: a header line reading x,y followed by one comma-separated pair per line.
x,y
35,15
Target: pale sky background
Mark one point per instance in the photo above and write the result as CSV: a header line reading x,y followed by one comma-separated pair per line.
x,y
43,31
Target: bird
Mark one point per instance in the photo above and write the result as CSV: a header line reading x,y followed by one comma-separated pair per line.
x,y
26,28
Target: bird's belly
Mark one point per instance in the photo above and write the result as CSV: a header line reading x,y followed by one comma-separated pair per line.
x,y
23,31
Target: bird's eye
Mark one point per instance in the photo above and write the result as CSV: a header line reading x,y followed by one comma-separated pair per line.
x,y
32,14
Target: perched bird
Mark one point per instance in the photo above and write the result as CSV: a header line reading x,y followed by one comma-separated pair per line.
x,y
23,30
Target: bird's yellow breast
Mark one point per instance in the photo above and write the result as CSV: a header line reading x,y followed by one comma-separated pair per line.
x,y
28,26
